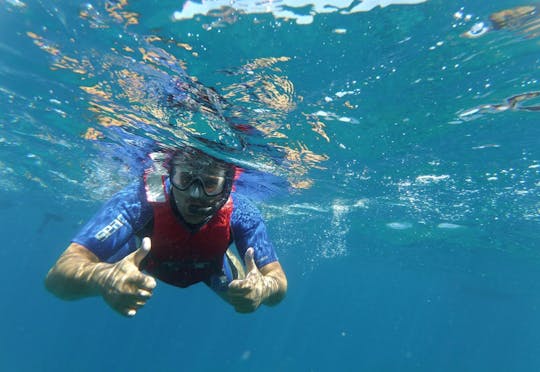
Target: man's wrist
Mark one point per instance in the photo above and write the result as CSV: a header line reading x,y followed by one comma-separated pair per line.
x,y
98,276
271,287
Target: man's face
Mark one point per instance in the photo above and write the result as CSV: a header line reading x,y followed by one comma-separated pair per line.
x,y
198,189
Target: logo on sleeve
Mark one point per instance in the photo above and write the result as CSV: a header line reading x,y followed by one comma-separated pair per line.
x,y
111,228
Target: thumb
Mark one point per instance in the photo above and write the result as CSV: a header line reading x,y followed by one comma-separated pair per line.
x,y
143,250
249,260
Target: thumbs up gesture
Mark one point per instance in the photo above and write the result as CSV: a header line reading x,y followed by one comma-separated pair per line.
x,y
123,286
246,295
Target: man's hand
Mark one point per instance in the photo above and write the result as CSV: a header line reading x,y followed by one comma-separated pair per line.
x,y
123,286
246,295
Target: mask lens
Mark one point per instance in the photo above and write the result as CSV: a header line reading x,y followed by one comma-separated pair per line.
x,y
182,180
212,184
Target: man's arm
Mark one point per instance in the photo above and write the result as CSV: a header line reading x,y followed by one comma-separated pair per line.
x,y
265,281
275,272
75,274
78,273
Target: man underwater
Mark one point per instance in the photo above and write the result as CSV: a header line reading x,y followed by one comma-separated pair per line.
x,y
185,222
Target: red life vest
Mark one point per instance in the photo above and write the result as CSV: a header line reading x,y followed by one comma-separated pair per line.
x,y
179,256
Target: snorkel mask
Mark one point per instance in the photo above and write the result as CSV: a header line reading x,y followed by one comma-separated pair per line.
x,y
201,184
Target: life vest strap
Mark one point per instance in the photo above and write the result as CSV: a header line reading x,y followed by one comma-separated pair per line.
x,y
155,188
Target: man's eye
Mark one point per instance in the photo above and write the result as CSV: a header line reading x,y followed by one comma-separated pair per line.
x,y
217,180
212,181
186,174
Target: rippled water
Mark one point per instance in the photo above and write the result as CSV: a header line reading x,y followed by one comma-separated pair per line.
x,y
403,135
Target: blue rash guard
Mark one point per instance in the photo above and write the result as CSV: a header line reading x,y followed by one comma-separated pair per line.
x,y
115,231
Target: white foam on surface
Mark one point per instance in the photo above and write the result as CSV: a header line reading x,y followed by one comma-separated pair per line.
x,y
285,9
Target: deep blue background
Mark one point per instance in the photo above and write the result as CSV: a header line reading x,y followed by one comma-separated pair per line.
x,y
413,309
363,294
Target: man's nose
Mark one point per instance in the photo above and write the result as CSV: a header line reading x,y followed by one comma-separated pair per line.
x,y
195,190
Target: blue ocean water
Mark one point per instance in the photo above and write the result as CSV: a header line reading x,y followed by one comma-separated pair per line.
x,y
403,139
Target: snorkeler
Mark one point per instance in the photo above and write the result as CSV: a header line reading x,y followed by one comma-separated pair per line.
x,y
183,223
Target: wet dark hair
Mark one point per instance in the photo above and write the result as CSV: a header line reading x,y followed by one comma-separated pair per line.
x,y
193,155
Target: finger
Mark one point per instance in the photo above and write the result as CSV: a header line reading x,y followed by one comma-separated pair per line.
x,y
131,307
249,260
136,257
142,281
125,310
136,303
149,282
144,295
127,305
239,300
241,293
141,253
239,285
239,290
140,296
